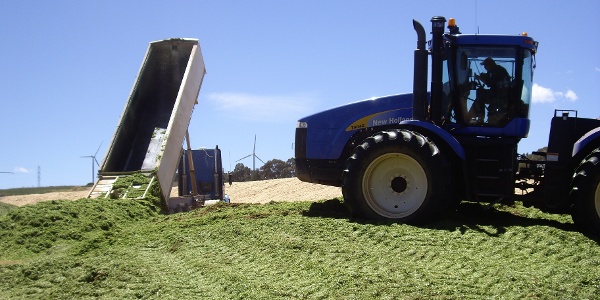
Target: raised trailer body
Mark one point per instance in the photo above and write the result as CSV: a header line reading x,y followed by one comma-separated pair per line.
x,y
154,122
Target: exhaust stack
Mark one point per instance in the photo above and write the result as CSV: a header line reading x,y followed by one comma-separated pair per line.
x,y
420,74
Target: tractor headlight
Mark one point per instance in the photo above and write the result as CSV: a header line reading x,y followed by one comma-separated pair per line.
x,y
302,125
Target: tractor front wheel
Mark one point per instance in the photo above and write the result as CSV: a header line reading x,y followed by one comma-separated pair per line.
x,y
397,175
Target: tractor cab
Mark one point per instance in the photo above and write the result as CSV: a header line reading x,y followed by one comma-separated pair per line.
x,y
486,82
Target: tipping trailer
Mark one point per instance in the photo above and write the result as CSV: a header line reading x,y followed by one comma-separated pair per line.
x,y
414,157
150,133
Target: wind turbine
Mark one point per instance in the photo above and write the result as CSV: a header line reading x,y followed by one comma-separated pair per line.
x,y
94,160
254,157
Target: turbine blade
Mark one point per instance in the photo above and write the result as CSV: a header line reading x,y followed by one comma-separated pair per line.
x,y
98,149
259,158
244,157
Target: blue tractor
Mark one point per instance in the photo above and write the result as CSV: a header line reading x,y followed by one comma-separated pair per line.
x,y
413,157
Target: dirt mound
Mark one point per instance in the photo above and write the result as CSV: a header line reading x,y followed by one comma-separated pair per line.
x,y
21,200
286,189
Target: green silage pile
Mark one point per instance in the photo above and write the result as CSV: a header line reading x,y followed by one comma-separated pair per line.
x,y
43,226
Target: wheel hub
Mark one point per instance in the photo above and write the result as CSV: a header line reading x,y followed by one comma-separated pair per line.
x,y
399,184
394,185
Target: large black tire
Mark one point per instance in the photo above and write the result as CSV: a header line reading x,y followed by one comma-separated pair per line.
x,y
397,175
585,194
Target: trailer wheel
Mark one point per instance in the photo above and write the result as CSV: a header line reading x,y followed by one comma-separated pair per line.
x,y
585,194
397,175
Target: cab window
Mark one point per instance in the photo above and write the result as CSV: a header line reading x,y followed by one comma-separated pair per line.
x,y
485,83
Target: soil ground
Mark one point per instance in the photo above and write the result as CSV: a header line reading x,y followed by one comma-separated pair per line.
x,y
286,189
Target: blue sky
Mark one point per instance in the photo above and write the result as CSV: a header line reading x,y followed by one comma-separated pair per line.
x,y
67,68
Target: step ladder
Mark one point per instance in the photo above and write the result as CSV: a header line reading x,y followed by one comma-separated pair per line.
x,y
491,172
487,179
104,187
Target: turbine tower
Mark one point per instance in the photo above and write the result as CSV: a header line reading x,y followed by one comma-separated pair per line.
x,y
94,160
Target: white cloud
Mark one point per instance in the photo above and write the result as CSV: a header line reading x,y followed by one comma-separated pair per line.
x,y
261,107
21,170
542,94
570,95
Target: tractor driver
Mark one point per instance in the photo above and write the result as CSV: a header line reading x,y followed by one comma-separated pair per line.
x,y
497,79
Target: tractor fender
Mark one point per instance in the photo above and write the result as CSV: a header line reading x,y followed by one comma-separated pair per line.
x,y
592,138
436,134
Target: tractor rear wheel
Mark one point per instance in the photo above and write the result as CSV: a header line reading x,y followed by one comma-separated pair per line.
x,y
397,175
585,194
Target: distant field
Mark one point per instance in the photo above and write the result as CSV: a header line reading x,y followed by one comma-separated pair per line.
x,y
40,190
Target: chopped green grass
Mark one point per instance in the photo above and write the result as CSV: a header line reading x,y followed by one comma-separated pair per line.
x,y
125,249
5,207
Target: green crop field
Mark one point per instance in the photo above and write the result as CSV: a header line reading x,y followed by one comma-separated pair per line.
x,y
127,249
